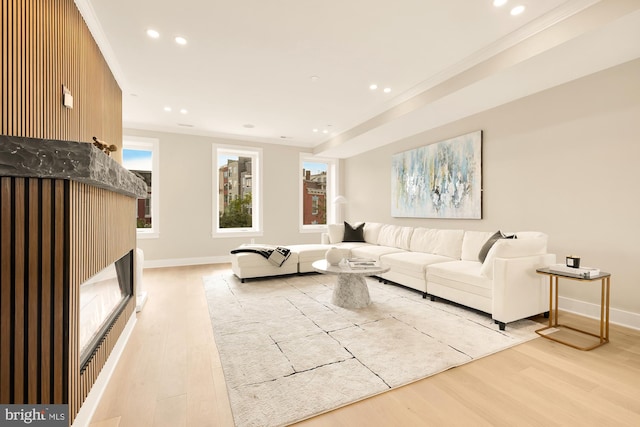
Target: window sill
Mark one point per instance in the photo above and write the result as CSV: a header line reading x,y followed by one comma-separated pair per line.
x,y
148,235
235,234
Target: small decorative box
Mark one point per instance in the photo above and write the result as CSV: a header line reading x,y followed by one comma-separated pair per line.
x,y
573,261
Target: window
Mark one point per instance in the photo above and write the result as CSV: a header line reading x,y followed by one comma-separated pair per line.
x,y
318,186
237,203
142,157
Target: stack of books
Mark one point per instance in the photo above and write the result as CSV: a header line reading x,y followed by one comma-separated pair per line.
x,y
582,272
357,263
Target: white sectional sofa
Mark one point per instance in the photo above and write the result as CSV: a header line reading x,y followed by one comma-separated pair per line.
x,y
442,263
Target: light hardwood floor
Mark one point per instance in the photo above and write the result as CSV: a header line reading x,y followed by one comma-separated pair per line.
x,y
170,375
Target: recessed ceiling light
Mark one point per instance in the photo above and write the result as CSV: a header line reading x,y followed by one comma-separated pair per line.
x,y
316,130
498,3
325,131
153,33
314,78
517,10
183,111
181,40
387,90
248,126
167,109
373,87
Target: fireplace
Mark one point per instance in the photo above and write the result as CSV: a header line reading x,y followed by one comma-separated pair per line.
x,y
102,299
67,241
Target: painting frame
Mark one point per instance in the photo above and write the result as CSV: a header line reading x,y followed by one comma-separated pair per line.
x,y
439,180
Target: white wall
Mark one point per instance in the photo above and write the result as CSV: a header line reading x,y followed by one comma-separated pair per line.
x,y
564,161
186,191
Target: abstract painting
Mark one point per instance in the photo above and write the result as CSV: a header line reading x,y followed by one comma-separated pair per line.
x,y
440,180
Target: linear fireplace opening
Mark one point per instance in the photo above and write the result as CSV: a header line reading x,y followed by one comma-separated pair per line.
x,y
103,297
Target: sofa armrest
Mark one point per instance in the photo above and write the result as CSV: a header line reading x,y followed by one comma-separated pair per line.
x,y
518,291
324,238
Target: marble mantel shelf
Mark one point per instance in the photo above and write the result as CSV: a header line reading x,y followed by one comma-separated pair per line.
x,y
77,161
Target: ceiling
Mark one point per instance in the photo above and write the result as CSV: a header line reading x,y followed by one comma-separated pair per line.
x,y
274,71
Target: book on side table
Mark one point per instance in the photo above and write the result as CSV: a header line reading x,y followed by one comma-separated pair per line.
x,y
582,272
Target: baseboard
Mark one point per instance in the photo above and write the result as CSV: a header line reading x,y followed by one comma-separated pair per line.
x,y
180,262
587,309
90,404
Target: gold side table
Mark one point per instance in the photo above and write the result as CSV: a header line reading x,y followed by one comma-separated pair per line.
x,y
605,279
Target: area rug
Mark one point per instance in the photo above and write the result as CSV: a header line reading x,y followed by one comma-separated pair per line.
x,y
287,353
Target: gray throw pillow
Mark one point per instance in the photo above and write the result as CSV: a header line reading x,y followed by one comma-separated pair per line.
x,y
489,244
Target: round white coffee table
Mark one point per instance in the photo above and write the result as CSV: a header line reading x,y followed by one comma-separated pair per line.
x,y
351,289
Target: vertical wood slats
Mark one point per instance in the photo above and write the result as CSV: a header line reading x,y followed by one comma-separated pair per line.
x,y
30,213
55,235
102,231
46,44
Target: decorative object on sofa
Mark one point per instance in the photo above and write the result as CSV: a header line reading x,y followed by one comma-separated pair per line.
x,y
441,180
104,147
573,261
353,234
276,255
482,255
334,255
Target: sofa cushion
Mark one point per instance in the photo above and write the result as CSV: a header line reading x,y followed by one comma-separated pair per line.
x,y
527,244
472,243
395,236
353,234
309,252
336,233
438,242
371,232
461,275
412,264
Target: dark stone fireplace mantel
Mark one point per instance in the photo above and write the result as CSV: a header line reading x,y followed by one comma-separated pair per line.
x,y
77,161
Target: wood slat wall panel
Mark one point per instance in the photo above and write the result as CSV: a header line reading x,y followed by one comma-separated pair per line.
x,y
6,295
27,221
46,44
55,235
102,231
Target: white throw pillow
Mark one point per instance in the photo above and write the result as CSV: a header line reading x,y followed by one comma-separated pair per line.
x,y
527,244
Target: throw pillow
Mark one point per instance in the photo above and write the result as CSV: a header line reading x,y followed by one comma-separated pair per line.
x,y
489,244
353,234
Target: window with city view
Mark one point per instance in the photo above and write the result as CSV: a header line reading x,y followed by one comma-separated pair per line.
x,y
317,189
140,156
237,201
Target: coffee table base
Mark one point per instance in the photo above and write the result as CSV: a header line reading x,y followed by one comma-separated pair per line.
x,y
351,291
